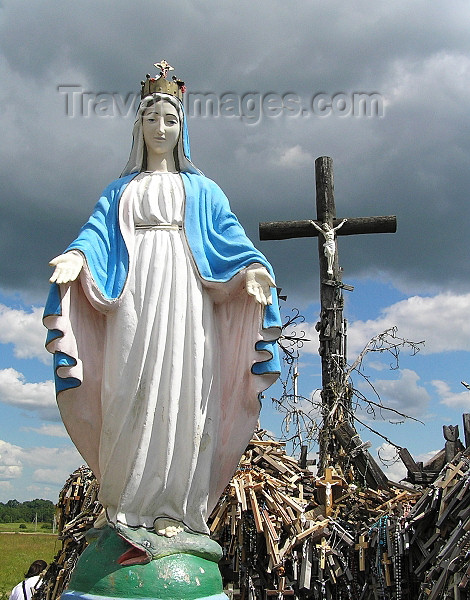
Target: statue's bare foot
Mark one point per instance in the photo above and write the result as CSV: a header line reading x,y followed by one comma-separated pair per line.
x,y
167,527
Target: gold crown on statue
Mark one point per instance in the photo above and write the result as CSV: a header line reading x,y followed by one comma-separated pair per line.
x,y
161,85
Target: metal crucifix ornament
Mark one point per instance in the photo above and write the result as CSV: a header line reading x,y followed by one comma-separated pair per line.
x,y
164,67
329,246
336,394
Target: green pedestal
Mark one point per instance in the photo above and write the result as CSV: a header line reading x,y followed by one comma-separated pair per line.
x,y
173,576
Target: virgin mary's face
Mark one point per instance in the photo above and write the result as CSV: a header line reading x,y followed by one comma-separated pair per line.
x,y
161,128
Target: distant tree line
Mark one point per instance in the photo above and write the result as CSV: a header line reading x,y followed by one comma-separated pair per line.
x,y
18,512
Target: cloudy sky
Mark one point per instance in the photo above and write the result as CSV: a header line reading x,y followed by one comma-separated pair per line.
x,y
308,61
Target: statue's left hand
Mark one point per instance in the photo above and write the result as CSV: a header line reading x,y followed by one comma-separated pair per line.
x,y
258,284
67,267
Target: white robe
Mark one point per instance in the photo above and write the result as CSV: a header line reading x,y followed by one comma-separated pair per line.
x,y
158,375
160,386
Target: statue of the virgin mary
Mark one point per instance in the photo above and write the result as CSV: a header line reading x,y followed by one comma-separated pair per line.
x,y
163,325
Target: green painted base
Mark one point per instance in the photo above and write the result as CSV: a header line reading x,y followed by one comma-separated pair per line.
x,y
98,575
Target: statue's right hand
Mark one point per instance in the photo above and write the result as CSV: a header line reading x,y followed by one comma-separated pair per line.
x,y
67,267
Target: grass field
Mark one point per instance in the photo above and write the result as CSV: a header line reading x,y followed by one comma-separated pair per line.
x,y
19,550
26,527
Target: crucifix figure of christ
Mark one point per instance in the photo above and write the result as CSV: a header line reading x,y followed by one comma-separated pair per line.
x,y
336,394
329,247
328,482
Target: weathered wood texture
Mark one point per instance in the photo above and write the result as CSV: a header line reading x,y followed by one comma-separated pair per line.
x,y
453,444
466,429
331,324
366,468
408,461
284,230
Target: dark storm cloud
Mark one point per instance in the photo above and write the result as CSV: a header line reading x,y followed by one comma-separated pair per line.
x,y
412,162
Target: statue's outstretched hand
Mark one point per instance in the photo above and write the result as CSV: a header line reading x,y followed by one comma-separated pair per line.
x,y
67,267
258,284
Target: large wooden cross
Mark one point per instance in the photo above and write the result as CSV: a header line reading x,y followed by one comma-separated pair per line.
x,y
336,395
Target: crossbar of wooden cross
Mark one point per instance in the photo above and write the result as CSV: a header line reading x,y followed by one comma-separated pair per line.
x,y
285,230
